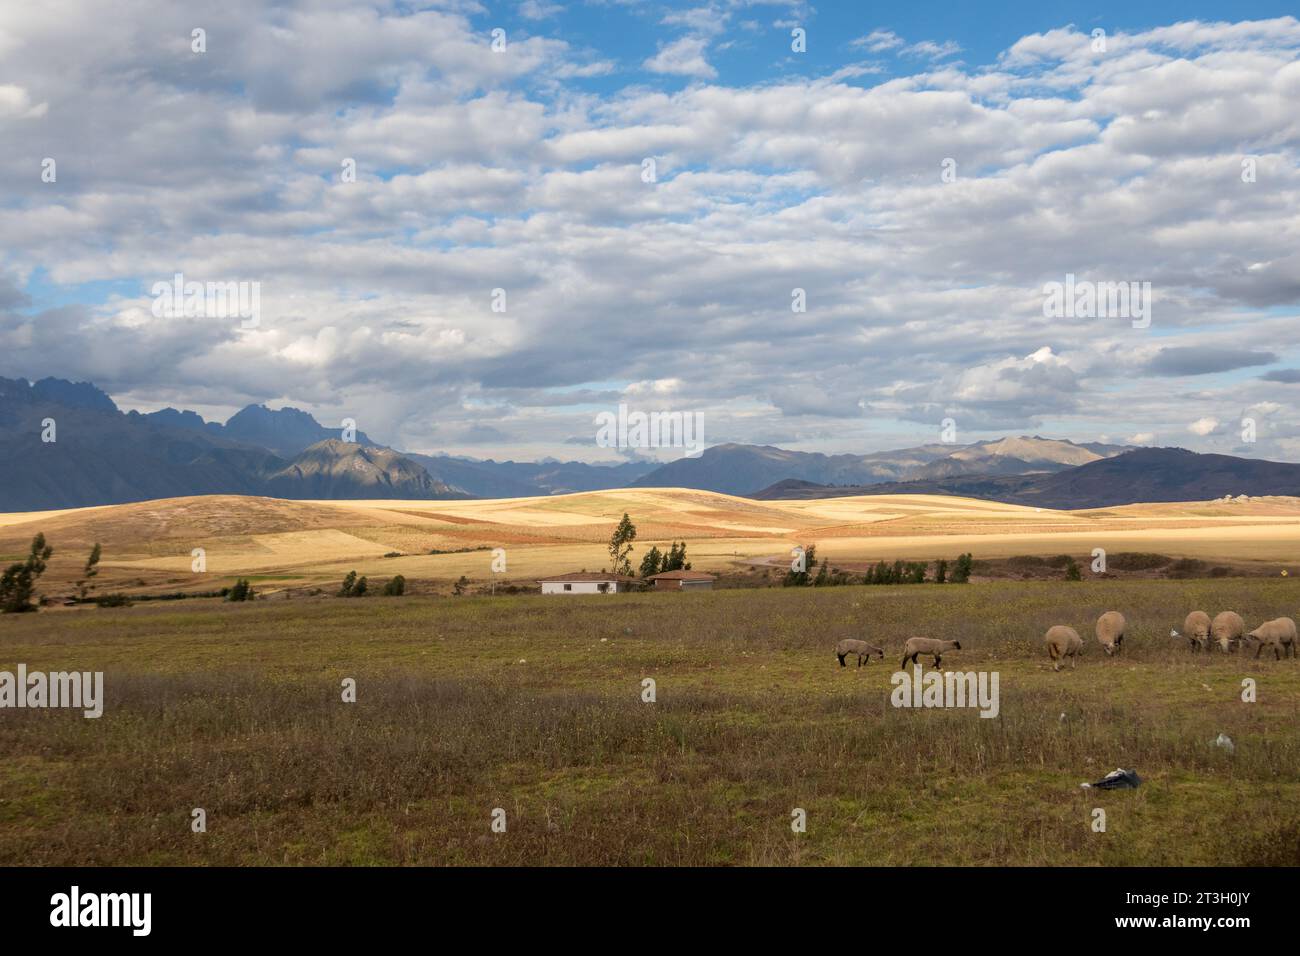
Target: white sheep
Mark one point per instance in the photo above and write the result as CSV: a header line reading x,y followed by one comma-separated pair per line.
x,y
1063,642
1196,629
1110,631
1227,629
1278,634
862,649
929,646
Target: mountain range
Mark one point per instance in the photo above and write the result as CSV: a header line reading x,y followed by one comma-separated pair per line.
x,y
745,469
1140,475
101,455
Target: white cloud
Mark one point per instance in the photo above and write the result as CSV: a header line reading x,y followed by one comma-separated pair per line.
x,y
479,171
683,57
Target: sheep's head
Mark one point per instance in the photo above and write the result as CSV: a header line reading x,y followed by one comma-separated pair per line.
x,y
880,652
956,645
1174,633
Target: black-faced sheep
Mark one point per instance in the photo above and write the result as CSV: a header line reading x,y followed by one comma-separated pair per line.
x,y
1110,631
929,646
1278,634
862,649
1063,642
1196,629
1227,630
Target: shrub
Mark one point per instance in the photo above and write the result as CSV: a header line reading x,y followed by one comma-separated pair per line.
x,y
1137,561
240,591
396,587
349,585
1072,571
113,600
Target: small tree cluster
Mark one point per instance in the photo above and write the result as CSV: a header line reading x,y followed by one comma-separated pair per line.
x,y
912,572
353,586
962,569
395,587
801,578
657,562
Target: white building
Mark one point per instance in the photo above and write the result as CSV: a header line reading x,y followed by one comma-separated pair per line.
x,y
587,582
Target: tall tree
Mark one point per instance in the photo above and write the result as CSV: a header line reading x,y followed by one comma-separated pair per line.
x,y
19,580
89,571
650,563
620,545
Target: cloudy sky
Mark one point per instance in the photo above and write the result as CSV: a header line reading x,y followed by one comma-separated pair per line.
x,y
921,178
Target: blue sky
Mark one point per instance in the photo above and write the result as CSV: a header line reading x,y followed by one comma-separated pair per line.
x,y
775,171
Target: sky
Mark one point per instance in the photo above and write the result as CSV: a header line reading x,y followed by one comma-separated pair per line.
x,y
473,227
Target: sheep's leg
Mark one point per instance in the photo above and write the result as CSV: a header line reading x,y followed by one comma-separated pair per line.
x,y
936,660
841,657
1074,659
1259,650
1277,654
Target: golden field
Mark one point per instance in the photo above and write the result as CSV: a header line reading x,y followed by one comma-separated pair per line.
x,y
280,543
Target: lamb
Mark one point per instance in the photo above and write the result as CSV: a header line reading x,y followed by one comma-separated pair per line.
x,y
1063,642
1227,630
929,646
1197,630
1279,634
861,648
1110,631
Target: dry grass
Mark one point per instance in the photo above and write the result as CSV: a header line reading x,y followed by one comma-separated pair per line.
x,y
237,709
148,546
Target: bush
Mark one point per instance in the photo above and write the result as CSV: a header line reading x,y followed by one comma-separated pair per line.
x,y
113,600
1186,568
1137,561
1072,571
240,591
396,587
349,585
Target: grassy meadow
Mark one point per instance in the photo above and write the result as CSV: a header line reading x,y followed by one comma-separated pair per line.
x,y
533,704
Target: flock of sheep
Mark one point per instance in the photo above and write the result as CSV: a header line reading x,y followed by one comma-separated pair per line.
x,y
1227,631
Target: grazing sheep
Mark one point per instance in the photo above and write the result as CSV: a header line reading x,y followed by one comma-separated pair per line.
x,y
1196,629
1279,634
861,648
916,646
1063,642
1227,630
1110,631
